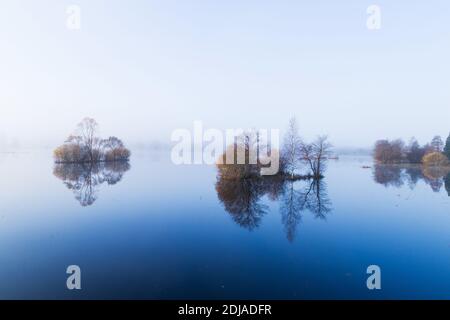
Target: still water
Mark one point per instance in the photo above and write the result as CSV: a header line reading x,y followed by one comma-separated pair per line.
x,y
153,230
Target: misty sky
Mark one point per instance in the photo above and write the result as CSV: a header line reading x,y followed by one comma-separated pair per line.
x,y
145,68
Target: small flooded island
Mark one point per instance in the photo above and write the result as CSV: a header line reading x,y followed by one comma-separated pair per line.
x,y
86,147
85,161
293,155
298,185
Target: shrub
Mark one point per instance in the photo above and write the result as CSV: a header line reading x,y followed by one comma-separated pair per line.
x,y
236,170
117,154
435,159
70,153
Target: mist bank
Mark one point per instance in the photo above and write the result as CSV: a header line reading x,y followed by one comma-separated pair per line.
x,y
12,146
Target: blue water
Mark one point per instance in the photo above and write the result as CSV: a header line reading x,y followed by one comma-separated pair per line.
x,y
160,231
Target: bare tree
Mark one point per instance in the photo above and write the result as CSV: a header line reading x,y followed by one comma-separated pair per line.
x,y
114,149
316,154
87,129
291,150
322,150
112,143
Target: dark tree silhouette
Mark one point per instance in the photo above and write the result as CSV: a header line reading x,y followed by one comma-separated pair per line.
x,y
414,152
447,184
447,147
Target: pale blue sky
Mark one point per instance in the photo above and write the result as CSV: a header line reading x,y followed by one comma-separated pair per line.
x,y
145,68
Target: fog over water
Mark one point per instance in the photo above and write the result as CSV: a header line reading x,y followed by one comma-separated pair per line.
x,y
145,68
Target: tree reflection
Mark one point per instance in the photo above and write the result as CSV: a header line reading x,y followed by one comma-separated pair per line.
x,y
413,175
447,184
434,176
242,199
312,196
290,208
397,176
318,202
388,175
85,179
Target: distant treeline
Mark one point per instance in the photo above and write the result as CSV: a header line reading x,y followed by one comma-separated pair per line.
x,y
86,147
435,153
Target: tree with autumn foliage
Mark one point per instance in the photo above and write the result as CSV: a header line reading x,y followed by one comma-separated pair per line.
x,y
84,146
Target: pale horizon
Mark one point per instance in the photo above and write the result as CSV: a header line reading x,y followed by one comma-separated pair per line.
x,y
145,69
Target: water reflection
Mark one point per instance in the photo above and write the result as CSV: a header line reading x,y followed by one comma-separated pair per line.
x,y
242,199
397,176
447,184
85,179
311,196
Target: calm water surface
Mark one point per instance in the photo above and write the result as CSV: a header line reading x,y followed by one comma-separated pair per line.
x,y
153,230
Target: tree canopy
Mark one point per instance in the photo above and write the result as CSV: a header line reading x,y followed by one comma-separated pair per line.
x,y
389,152
86,146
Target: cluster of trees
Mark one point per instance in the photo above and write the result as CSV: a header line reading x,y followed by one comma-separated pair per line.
x,y
435,153
240,186
86,147
294,155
